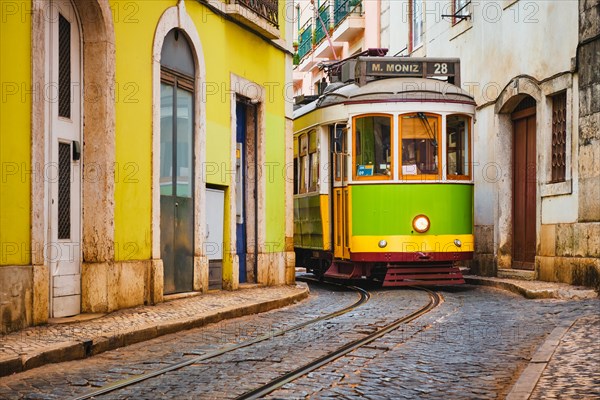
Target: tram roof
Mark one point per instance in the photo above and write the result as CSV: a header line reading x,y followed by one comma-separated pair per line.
x,y
389,90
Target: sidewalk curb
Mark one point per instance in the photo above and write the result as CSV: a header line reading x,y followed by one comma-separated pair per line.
x,y
511,287
525,385
560,294
76,350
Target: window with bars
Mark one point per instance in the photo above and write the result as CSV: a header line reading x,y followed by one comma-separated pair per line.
x,y
64,191
559,137
460,10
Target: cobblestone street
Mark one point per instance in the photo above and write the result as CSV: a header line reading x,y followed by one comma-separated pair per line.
x,y
474,345
575,365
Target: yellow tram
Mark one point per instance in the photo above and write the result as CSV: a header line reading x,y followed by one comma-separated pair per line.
x,y
383,179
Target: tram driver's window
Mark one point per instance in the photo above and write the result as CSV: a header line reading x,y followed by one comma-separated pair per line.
x,y
372,138
457,139
419,132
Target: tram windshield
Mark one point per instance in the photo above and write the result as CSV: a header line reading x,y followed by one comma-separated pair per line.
x,y
372,138
458,141
419,133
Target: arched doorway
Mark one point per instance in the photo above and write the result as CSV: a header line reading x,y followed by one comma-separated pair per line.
x,y
524,184
77,52
177,162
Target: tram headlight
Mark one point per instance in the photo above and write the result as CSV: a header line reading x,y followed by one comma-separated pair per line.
x,y
457,243
382,243
421,223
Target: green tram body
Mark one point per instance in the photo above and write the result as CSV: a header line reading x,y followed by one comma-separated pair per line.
x,y
358,189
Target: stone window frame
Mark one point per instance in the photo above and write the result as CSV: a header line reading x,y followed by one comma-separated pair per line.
x,y
551,88
559,105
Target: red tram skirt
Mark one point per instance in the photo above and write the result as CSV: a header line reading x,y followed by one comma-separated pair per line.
x,y
404,269
429,274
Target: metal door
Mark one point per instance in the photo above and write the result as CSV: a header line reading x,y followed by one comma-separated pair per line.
x,y
524,191
215,220
340,207
63,252
177,187
240,182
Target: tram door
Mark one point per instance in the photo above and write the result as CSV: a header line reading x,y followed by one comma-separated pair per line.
x,y
341,209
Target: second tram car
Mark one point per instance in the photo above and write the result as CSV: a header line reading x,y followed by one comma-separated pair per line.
x,y
383,184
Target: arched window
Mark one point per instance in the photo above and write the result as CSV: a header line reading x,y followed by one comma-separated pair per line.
x,y
177,112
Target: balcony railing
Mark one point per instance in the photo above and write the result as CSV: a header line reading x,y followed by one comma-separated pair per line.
x,y
268,9
305,42
324,14
345,7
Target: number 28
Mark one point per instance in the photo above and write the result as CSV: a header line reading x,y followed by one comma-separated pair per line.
x,y
440,68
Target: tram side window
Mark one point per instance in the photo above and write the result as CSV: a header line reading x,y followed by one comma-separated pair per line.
x,y
303,163
458,142
372,138
419,132
313,158
296,180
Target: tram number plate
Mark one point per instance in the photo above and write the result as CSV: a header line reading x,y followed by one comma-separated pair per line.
x,y
440,68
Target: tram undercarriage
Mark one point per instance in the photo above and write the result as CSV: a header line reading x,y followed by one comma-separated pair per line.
x,y
423,272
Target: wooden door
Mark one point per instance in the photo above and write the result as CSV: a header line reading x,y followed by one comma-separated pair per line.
x,y
524,189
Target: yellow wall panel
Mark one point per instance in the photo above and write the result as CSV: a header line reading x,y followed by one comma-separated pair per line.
x,y
15,134
226,48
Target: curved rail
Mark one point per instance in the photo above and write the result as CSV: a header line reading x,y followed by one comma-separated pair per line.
x,y
434,301
363,298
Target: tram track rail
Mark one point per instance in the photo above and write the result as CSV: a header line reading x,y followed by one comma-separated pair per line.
x,y
277,383
364,297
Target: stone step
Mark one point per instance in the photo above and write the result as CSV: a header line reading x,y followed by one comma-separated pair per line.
x,y
523,275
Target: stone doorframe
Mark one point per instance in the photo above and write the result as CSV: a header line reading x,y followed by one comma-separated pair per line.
x,y
177,17
508,100
98,158
255,93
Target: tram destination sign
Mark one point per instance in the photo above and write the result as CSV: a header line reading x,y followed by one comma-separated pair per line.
x,y
407,67
394,68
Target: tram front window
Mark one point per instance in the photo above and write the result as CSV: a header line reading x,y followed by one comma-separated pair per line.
x,y
372,138
458,140
420,143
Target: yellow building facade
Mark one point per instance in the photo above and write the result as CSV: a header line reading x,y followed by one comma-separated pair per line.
x,y
144,149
